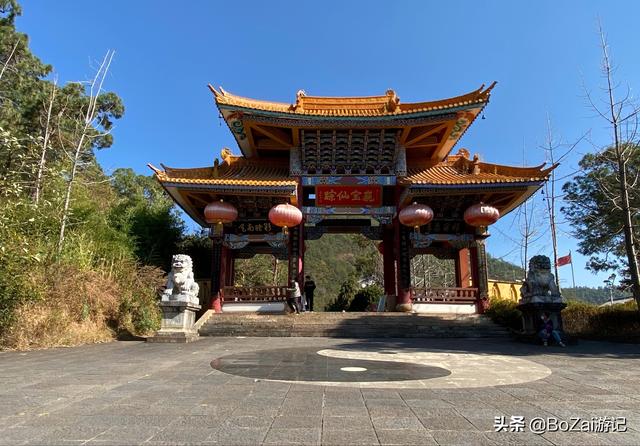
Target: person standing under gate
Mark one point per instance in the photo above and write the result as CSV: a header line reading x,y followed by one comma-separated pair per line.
x,y
293,297
309,287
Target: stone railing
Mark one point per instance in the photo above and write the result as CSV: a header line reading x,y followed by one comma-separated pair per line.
x,y
445,295
234,294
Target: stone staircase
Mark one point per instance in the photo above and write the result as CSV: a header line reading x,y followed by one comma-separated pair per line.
x,y
352,325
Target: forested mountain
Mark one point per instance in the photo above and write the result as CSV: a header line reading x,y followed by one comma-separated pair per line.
x,y
598,295
337,259
79,248
332,261
502,270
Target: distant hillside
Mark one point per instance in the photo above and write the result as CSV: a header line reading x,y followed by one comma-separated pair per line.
x,y
502,270
337,258
598,295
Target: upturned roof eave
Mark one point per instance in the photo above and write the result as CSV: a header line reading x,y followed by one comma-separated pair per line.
x,y
367,118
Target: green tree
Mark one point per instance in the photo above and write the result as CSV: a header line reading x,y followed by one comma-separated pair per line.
x,y
502,270
145,213
344,297
596,222
617,185
49,178
364,297
198,246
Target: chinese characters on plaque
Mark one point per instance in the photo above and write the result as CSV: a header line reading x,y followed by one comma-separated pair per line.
x,y
255,227
328,195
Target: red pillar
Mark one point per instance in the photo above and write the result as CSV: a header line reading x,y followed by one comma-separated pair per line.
x,y
403,260
389,264
301,250
232,270
228,265
479,274
217,260
463,273
403,269
473,252
224,274
301,254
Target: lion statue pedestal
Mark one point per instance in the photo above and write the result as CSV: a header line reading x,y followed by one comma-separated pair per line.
x,y
179,303
539,294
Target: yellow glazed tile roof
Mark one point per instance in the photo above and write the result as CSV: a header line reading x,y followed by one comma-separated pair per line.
x,y
460,170
366,106
234,170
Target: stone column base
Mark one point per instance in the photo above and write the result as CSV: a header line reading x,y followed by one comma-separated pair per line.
x,y
177,337
532,312
178,319
406,307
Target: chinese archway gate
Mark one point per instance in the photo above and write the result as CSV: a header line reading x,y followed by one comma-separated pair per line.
x,y
353,164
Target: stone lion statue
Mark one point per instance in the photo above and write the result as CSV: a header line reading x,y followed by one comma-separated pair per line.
x,y
540,285
181,285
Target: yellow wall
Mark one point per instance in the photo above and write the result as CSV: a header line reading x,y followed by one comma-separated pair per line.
x,y
504,290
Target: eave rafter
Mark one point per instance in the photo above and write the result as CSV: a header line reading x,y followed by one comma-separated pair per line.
x,y
278,135
420,134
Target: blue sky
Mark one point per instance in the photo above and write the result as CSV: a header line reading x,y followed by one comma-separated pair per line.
x,y
541,53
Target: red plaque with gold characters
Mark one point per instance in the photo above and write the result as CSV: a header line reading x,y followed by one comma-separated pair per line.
x,y
340,195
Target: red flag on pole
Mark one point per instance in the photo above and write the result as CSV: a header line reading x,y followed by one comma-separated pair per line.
x,y
564,260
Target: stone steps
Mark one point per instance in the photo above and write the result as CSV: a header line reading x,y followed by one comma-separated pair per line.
x,y
352,325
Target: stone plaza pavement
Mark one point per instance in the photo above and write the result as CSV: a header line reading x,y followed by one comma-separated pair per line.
x,y
436,391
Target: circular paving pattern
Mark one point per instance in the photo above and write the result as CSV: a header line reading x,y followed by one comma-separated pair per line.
x,y
306,364
380,368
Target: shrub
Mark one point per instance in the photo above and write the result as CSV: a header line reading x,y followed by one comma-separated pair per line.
x,y
365,297
341,302
611,322
138,312
505,312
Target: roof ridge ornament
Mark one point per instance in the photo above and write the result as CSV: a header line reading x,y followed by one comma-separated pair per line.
x,y
475,164
463,153
226,155
215,173
214,91
392,102
300,94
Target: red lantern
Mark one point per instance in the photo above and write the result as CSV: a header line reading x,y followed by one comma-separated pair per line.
x,y
285,216
416,215
481,215
220,213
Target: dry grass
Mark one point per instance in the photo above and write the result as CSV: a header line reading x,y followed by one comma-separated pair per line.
x,y
44,326
80,307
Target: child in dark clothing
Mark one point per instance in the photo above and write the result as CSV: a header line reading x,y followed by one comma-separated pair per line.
x,y
546,331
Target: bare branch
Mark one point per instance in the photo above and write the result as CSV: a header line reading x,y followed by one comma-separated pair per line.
x,y
6,63
89,116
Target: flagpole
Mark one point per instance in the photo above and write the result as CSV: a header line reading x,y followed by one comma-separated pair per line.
x,y
573,276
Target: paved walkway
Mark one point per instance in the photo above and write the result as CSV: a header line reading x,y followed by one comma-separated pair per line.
x,y
319,391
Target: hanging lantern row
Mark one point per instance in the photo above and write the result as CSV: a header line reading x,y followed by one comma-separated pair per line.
x,y
285,216
480,215
220,213
416,215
